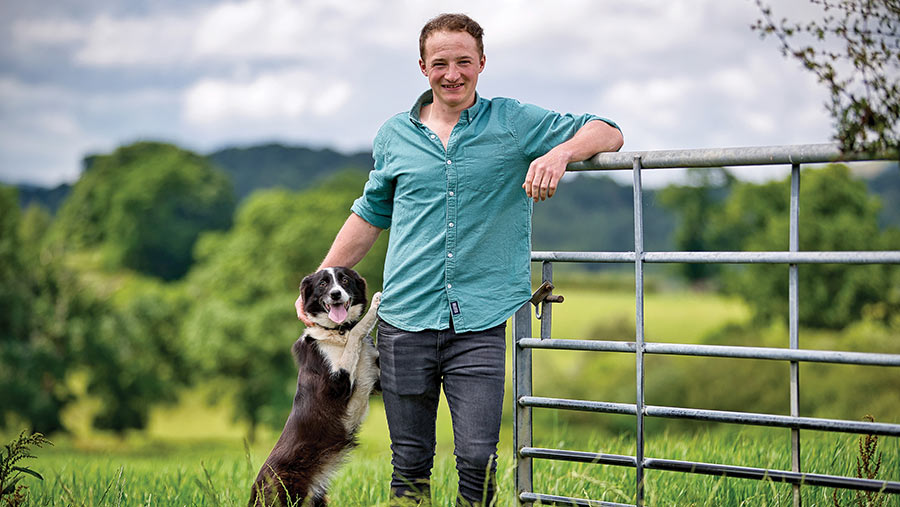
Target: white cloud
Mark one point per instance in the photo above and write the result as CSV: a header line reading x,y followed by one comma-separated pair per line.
x,y
288,94
157,40
39,32
674,74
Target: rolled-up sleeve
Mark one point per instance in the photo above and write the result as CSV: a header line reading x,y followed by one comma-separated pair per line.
x,y
538,130
376,204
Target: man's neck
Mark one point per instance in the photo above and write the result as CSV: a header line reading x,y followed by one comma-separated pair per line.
x,y
433,114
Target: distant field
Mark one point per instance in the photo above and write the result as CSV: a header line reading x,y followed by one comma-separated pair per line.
x,y
193,454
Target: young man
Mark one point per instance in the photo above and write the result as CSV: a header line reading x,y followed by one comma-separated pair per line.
x,y
448,182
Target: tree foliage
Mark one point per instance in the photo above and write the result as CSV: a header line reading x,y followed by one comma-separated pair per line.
x,y
124,336
242,323
694,203
145,205
836,213
854,50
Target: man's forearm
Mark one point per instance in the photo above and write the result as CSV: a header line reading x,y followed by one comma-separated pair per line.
x,y
594,137
352,243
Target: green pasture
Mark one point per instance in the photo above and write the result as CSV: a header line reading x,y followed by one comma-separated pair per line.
x,y
194,453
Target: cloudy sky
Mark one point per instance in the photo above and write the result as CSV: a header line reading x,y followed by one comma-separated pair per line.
x,y
86,76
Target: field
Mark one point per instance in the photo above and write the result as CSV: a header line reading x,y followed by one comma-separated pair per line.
x,y
194,454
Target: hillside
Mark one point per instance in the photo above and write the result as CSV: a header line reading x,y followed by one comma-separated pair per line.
x,y
592,212
276,165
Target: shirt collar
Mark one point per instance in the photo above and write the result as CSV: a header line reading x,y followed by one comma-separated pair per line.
x,y
467,115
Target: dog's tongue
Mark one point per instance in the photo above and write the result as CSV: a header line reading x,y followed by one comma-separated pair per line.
x,y
337,313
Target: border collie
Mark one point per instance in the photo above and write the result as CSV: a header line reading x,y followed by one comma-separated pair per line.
x,y
338,371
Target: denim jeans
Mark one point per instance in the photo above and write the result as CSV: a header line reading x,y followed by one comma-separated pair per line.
x,y
470,367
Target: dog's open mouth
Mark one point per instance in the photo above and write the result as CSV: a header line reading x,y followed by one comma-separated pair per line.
x,y
337,312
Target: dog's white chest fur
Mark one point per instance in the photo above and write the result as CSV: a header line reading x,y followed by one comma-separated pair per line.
x,y
363,383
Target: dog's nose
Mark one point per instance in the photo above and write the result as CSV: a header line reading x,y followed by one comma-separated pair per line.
x,y
335,294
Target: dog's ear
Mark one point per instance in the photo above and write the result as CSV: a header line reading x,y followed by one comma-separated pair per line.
x,y
359,280
306,287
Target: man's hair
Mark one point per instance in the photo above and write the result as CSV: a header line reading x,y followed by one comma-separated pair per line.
x,y
452,23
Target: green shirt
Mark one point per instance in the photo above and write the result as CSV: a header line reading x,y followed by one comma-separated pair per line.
x,y
460,222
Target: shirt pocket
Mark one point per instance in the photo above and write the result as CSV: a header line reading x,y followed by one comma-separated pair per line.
x,y
487,168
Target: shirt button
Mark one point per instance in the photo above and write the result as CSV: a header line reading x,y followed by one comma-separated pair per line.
x,y
449,162
449,255
449,286
433,136
451,193
451,224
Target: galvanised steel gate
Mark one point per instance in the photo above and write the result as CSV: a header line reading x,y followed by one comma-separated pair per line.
x,y
522,335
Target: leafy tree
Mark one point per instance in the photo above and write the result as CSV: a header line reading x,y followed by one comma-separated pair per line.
x,y
244,282
41,315
836,213
855,51
145,205
125,337
135,357
694,203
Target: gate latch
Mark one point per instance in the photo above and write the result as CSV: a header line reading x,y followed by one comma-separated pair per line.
x,y
544,294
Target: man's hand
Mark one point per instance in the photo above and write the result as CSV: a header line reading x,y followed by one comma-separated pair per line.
x,y
544,174
301,314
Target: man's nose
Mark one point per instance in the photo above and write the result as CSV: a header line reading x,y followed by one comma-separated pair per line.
x,y
452,73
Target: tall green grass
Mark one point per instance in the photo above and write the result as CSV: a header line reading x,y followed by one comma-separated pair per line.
x,y
152,472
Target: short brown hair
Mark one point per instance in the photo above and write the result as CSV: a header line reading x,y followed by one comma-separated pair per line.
x,y
452,23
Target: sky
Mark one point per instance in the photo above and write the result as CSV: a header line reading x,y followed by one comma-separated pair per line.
x,y
81,77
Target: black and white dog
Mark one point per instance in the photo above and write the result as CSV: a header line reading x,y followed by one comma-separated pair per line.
x,y
338,371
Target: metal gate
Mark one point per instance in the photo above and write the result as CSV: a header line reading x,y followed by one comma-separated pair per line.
x,y
524,342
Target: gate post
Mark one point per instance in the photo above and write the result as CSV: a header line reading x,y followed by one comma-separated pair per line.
x,y
522,436
794,317
639,328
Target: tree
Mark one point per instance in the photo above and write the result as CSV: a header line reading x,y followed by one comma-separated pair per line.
x,y
52,323
242,324
41,315
144,206
836,213
855,51
694,203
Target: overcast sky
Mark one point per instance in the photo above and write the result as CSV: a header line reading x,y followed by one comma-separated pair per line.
x,y
86,76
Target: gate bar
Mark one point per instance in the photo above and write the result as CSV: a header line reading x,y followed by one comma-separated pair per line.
x,y
732,351
805,479
566,500
718,157
839,257
695,467
638,204
794,323
725,416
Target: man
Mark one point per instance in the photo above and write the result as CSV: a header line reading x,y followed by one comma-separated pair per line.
x,y
448,183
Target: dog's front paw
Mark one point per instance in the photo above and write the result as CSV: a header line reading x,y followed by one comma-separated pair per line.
x,y
376,300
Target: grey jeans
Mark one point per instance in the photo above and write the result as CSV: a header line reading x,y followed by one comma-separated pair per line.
x,y
470,367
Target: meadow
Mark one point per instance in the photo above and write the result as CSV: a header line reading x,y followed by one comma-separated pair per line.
x,y
195,454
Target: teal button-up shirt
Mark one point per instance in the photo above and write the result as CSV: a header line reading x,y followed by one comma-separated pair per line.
x,y
460,222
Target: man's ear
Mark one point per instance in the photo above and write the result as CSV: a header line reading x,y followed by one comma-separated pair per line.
x,y
481,63
423,68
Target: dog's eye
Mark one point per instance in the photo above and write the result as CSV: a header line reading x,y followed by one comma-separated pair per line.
x,y
323,283
345,280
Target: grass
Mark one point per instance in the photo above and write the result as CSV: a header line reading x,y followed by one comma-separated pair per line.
x,y
193,454
153,472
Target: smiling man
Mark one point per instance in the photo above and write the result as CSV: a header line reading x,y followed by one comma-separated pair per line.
x,y
455,179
